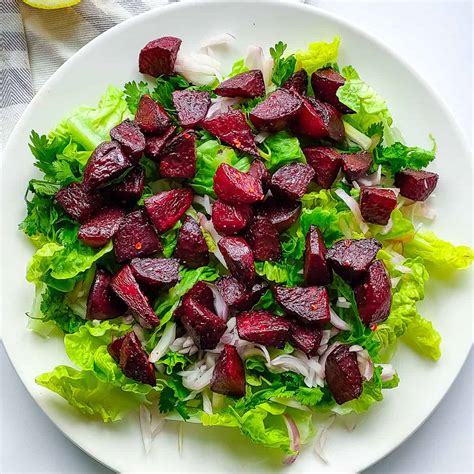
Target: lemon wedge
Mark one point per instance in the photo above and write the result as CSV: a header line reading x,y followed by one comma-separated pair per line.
x,y
51,4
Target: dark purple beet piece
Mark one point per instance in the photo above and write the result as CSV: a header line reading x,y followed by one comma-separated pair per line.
x,y
178,158
228,377
259,170
191,248
237,295
192,107
102,302
355,165
376,204
135,237
351,258
298,82
248,84
201,293
291,181
167,207
154,145
263,327
158,56
151,117
114,348
343,375
129,191
281,213
316,269
416,185
156,272
101,227
134,360
305,338
239,258
326,163
126,287
78,202
325,83
264,239
229,219
131,139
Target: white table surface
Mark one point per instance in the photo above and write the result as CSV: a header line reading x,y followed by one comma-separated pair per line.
x,y
436,37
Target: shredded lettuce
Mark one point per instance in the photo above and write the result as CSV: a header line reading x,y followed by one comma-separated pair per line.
x,y
318,55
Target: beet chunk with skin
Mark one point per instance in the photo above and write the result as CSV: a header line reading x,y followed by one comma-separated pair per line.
x,y
151,117
355,165
239,258
129,191
263,327
291,181
326,163
248,84
126,287
373,295
178,158
228,377
135,237
201,293
264,239
237,295
232,129
316,269
78,202
325,83
192,107
159,56
134,360
167,208
277,111
351,258
297,82
309,305
259,170
281,213
307,339
155,145
191,248
235,187
416,185
101,227
376,204
343,375
102,302
229,219
131,139
156,272
114,348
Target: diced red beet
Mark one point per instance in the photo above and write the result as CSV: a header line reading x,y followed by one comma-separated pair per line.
x,y
156,272
281,213
129,191
102,302
264,239
135,237
232,129
178,158
305,338
277,111
416,185
101,227
376,204
355,165
151,117
106,163
228,377
126,287
78,202
131,139
326,163
309,305
263,327
200,293
373,294
291,181
158,56
333,121
154,145
325,83
202,324
134,360
235,187
248,84
351,258
259,170
237,295
114,348
316,269
167,208
239,258
229,219
191,247
298,82
343,375
192,107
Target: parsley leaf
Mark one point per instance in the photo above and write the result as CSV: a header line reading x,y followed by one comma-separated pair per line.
x,y
172,397
133,94
283,68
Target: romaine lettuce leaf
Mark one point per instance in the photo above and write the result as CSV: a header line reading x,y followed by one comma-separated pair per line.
x,y
421,336
281,149
318,55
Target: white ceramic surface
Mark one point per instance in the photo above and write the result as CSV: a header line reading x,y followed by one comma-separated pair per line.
x,y
112,58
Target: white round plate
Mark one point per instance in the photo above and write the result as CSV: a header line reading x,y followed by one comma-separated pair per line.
x,y
112,58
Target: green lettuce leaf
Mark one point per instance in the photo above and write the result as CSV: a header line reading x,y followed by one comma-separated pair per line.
x,y
318,55
279,272
422,337
281,149
238,68
402,229
169,239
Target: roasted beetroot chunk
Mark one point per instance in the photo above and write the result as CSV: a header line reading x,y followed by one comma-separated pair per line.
x,y
237,295
376,204
262,327
102,302
355,165
277,111
129,191
264,239
158,56
248,84
178,158
191,248
291,181
373,295
298,82
343,375
305,338
201,293
135,237
316,269
229,219
151,117
78,202
156,272
228,377
326,163
259,170
281,213
192,107
239,258
309,305
100,228
126,287
235,187
134,360
131,139
325,83
114,348
351,258
167,207
232,129
416,185
155,145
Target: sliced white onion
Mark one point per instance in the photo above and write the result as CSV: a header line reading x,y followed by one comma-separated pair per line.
x,y
403,269
396,257
357,137
198,376
145,427
288,402
222,105
222,310
342,302
322,437
366,366
373,179
203,201
256,59
322,359
388,227
138,330
322,349
128,319
294,435
388,372
356,348
261,136
355,209
217,40
206,403
394,281
199,69
168,337
337,322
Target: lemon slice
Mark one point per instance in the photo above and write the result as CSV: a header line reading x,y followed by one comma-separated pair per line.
x,y
51,4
